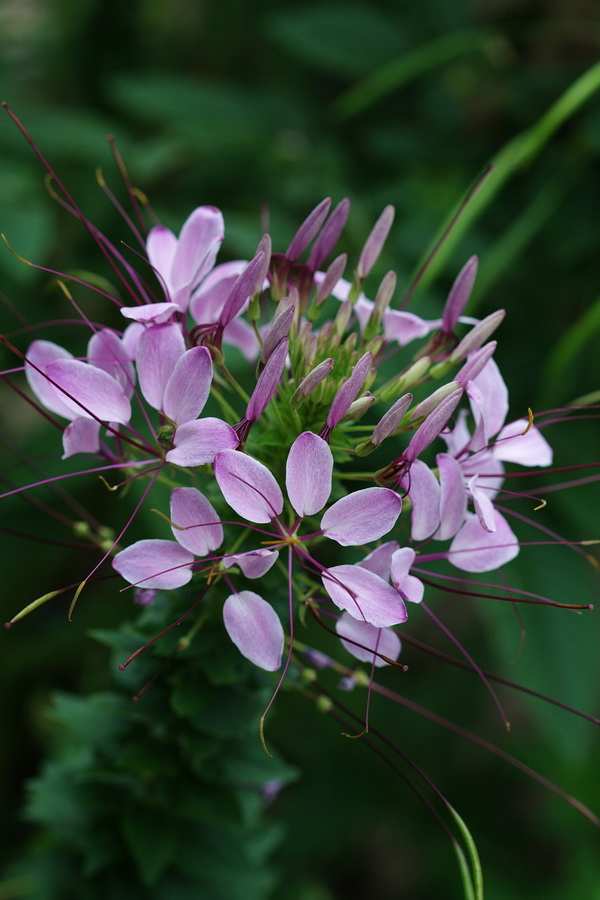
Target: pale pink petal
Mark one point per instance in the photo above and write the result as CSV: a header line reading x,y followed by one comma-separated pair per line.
x,y
153,563
105,350
81,436
404,327
484,508
248,486
40,354
255,629
241,334
150,313
197,443
379,560
130,339
362,516
197,246
254,563
495,397
485,464
195,521
364,595
161,245
453,497
158,350
308,473
409,587
209,299
530,449
364,641
476,550
100,396
188,387
424,492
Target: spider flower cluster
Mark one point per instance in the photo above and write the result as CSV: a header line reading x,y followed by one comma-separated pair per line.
x,y
343,422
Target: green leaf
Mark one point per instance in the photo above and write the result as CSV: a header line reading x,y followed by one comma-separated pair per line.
x,y
343,38
410,66
150,838
472,876
513,157
569,349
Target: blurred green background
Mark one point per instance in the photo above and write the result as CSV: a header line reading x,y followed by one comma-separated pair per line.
x,y
262,109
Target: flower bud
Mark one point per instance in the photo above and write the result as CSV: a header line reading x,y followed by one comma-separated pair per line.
x,y
307,231
477,335
374,243
330,233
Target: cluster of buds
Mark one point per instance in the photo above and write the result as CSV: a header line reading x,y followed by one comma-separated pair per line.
x,y
333,381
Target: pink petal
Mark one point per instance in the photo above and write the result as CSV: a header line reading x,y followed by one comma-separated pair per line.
x,y
484,508
130,339
254,563
197,443
150,313
191,511
453,496
363,641
308,473
105,350
513,445
248,486
188,387
41,354
197,246
155,564
365,595
424,492
476,550
81,436
158,350
494,392
255,629
362,516
404,327
379,560
161,245
208,301
241,334
408,586
100,396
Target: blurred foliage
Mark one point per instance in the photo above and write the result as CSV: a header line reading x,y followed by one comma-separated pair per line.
x,y
262,109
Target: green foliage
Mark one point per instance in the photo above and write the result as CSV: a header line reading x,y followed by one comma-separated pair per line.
x,y
163,795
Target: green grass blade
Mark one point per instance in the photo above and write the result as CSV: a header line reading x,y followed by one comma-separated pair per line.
x,y
470,869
